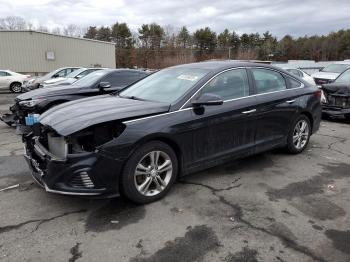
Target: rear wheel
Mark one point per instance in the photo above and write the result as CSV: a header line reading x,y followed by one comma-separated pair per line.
x,y
149,173
299,135
16,87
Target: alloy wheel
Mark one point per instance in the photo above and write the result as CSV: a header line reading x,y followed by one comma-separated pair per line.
x,y
16,88
153,173
301,134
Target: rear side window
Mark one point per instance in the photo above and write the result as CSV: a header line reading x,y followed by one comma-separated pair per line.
x,y
228,85
295,72
293,83
268,81
2,73
117,79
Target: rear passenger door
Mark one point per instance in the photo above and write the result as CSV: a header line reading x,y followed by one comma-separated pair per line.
x,y
276,106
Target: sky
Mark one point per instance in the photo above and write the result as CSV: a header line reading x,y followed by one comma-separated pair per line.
x,y
280,17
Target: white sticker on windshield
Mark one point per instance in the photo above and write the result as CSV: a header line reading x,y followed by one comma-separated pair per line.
x,y
188,77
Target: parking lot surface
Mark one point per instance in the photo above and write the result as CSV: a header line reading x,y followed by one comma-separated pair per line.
x,y
268,207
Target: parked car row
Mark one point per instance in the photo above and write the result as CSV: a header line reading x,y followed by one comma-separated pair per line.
x,y
134,133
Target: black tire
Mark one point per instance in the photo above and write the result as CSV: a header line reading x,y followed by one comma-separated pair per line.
x,y
16,87
128,187
347,117
291,147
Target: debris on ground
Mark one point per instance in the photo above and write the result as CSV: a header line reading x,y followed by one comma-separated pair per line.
x,y
114,221
331,187
9,188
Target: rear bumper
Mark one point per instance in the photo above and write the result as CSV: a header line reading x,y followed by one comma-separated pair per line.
x,y
85,174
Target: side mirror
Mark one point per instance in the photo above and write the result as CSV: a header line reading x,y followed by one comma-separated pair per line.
x,y
104,85
208,100
55,76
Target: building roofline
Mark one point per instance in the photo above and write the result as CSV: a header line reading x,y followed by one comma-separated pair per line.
x,y
73,37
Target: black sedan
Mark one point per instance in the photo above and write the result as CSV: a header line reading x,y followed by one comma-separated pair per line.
x,y
29,105
177,121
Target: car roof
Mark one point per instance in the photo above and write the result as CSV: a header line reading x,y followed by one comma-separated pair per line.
x,y
222,65
345,62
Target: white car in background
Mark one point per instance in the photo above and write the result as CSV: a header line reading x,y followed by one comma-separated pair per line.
x,y
331,72
301,74
70,78
12,81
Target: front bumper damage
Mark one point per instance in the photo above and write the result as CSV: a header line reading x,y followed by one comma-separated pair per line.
x,y
84,174
337,101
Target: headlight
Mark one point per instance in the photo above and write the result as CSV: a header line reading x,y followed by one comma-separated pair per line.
x,y
31,103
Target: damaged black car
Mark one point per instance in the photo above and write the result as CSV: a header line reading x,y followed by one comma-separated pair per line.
x,y
336,97
29,106
177,121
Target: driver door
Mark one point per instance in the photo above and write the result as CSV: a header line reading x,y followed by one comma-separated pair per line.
x,y
227,130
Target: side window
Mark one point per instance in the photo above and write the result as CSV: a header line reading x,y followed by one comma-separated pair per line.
x,y
268,81
293,83
2,73
295,72
61,73
228,85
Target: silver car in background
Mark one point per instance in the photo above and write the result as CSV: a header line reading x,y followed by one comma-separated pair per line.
x,y
35,82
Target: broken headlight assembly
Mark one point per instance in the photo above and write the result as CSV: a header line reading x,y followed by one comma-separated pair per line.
x,y
89,139
30,103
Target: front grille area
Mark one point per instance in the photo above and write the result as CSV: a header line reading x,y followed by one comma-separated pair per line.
x,y
81,180
338,101
321,81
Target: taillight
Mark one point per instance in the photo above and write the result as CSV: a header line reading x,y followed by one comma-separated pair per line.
x,y
318,94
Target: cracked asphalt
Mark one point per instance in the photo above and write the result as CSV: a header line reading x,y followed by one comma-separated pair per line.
x,y
268,207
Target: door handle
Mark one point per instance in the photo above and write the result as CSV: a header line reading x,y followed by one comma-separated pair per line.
x,y
249,112
290,101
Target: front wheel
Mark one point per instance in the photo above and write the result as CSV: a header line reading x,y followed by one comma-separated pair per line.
x,y
299,135
149,173
16,87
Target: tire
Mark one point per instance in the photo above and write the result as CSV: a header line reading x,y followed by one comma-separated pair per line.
x,y
16,87
143,184
297,146
347,117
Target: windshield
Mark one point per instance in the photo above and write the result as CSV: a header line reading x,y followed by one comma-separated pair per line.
x,y
75,73
166,86
335,68
91,78
344,77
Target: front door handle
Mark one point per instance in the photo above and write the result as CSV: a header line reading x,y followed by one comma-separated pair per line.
x,y
249,112
290,101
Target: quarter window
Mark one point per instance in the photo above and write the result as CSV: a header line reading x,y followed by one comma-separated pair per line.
x,y
2,73
293,83
228,85
268,81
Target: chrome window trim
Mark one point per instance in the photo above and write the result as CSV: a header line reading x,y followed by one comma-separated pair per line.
x,y
225,101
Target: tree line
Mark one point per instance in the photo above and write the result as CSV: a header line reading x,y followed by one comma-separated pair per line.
x,y
157,46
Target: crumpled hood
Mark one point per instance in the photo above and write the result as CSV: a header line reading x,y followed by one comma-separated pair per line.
x,y
337,88
48,91
77,115
325,75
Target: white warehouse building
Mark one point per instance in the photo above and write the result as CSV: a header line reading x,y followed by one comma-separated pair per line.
x,y
36,53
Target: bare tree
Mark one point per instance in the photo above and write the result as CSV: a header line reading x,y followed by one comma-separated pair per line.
x,y
42,28
74,30
56,30
12,23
